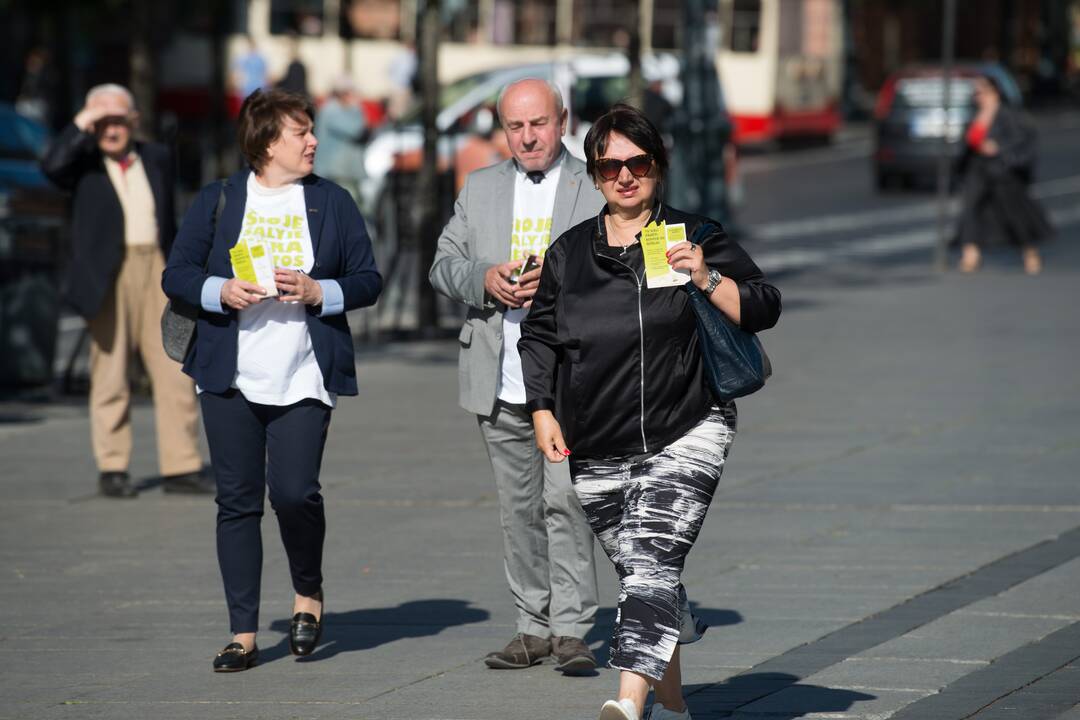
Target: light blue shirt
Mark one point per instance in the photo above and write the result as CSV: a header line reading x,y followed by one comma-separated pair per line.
x,y
333,298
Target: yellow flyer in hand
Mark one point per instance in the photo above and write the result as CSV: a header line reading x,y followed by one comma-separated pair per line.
x,y
655,241
252,262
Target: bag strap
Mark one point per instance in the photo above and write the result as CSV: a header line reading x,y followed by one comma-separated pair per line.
x,y
702,231
218,209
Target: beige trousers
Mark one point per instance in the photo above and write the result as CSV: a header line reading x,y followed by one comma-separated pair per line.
x,y
129,320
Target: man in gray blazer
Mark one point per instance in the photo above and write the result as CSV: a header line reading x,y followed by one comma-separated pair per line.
x,y
505,215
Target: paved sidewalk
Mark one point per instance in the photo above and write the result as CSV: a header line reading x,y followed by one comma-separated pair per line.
x,y
896,536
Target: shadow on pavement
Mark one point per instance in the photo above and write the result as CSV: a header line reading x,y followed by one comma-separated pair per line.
x,y
19,418
357,630
605,624
721,700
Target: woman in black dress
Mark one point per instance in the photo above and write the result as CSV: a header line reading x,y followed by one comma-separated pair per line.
x,y
996,170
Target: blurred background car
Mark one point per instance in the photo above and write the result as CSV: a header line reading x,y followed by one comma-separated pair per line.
x,y
590,85
32,222
910,119
22,140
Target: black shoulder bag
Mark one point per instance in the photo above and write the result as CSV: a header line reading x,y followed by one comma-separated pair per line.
x,y
178,320
735,363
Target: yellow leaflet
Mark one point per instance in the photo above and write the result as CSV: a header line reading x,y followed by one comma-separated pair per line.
x,y
241,262
655,242
654,248
676,233
252,262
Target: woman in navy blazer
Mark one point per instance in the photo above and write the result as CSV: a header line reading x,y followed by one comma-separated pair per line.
x,y
269,363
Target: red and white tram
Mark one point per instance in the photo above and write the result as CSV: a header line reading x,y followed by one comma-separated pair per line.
x,y
780,64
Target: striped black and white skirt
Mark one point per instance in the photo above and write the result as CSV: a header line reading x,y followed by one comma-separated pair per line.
x,y
647,512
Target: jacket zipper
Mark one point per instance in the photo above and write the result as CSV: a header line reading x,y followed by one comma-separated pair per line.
x,y
640,318
641,341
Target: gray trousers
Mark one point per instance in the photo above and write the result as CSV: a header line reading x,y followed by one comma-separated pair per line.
x,y
547,542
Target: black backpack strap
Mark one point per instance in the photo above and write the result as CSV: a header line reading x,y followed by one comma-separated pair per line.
x,y
218,209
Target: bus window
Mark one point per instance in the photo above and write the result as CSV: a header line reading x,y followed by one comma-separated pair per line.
x,y
790,35
745,26
299,17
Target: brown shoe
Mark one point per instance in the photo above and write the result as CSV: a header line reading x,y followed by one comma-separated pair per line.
x,y
573,655
522,652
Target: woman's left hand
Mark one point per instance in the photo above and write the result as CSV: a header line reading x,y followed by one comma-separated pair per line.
x,y
689,256
296,286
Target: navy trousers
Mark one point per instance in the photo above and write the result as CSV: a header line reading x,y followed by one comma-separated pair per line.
x,y
253,447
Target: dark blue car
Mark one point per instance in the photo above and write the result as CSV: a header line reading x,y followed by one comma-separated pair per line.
x,y
22,142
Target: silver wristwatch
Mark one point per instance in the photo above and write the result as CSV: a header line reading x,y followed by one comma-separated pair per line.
x,y
714,279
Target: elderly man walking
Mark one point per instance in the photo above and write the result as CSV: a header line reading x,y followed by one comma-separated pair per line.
x,y
122,226
505,216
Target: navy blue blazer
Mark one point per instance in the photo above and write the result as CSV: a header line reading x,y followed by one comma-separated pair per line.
x,y
342,251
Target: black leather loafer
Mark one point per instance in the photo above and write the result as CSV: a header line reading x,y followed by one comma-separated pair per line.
x,y
116,485
305,631
235,658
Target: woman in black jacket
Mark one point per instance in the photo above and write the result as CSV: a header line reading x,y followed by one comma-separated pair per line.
x,y
996,169
613,370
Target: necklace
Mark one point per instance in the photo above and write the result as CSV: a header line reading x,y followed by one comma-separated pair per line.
x,y
612,234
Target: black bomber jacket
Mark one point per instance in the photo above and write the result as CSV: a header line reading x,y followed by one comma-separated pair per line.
x,y
617,362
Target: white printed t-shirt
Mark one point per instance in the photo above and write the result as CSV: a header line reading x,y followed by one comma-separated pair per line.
x,y
275,362
534,204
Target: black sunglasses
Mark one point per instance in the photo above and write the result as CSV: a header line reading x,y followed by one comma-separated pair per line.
x,y
639,166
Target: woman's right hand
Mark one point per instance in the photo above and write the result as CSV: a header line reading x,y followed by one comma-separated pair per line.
x,y
239,294
549,437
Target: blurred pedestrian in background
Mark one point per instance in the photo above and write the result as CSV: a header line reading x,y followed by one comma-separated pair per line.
x,y
614,380
122,227
402,75
37,89
506,215
485,145
996,170
249,71
295,77
270,369
342,132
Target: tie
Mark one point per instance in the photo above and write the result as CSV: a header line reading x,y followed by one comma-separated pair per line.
x,y
535,175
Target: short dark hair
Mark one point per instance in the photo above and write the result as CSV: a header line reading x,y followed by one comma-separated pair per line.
x,y
630,122
995,84
262,119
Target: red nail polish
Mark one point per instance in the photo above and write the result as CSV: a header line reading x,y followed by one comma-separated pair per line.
x,y
566,452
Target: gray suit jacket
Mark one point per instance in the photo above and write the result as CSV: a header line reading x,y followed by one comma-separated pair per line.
x,y
478,237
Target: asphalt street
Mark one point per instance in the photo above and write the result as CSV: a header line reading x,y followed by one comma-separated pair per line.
x,y
897,534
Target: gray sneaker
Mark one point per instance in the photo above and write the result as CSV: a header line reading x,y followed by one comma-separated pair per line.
x,y
522,652
573,655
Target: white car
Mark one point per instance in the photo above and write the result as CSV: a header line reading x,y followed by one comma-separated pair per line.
x,y
590,84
